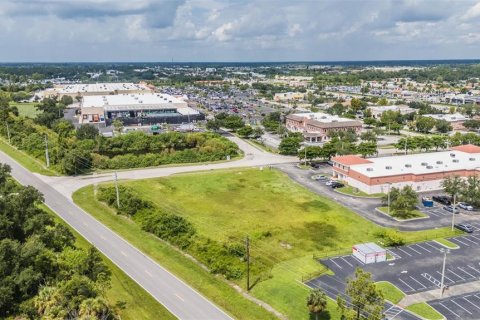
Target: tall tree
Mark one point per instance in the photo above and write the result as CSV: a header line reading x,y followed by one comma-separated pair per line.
x,y
316,302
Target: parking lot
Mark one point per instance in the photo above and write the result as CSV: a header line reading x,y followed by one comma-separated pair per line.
x,y
416,268
460,307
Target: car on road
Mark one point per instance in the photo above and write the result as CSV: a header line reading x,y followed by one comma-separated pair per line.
x,y
336,185
450,209
442,199
465,206
464,227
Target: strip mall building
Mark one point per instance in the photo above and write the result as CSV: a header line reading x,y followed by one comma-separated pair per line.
x,y
424,172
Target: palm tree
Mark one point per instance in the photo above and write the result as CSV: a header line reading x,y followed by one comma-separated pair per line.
x,y
317,302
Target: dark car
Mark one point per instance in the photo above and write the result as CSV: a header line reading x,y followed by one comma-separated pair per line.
x,y
336,185
442,199
450,209
464,227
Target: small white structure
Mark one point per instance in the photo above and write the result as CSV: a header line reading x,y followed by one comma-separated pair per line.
x,y
369,253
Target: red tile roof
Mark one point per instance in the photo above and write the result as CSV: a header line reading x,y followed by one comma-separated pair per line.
x,y
468,148
350,160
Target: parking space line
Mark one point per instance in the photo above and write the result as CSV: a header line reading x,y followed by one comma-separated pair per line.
x,y
336,263
448,309
473,269
472,236
461,307
418,282
473,304
477,296
467,239
428,243
456,275
451,281
418,245
410,247
346,261
456,239
405,252
461,269
412,289
432,213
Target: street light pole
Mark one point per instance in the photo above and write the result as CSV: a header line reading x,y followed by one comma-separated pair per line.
x,y
389,185
442,286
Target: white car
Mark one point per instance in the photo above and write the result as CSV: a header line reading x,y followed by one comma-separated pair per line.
x,y
329,182
465,206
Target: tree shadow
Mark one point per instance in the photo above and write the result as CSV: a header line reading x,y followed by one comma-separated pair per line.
x,y
314,205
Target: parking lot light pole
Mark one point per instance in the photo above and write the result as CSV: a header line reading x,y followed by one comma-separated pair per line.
x,y
445,252
453,211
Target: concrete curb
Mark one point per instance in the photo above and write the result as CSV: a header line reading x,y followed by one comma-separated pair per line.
x,y
354,196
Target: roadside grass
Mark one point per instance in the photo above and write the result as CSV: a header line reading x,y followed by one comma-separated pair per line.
x,y
447,243
425,311
287,223
390,291
351,191
413,214
26,109
213,287
139,304
26,160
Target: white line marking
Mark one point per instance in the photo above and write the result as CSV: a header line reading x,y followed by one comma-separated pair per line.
x,y
412,289
102,237
473,304
428,243
448,309
404,252
466,238
446,277
455,274
180,298
146,271
473,269
335,263
461,269
85,224
347,262
461,307
418,245
123,253
410,247
418,282
456,239
474,237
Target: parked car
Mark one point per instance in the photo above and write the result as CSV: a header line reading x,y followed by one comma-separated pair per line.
x,y
464,227
336,185
442,199
329,182
320,177
465,206
450,209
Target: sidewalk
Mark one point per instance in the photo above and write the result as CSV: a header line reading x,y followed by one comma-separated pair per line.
x,y
426,296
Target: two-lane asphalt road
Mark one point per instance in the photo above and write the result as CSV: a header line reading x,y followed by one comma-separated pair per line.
x,y
181,300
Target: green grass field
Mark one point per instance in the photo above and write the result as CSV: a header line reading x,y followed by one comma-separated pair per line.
x,y
351,191
425,311
26,109
139,303
287,224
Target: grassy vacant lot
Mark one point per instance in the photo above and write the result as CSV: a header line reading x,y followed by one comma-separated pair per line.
x,y
287,225
26,109
139,303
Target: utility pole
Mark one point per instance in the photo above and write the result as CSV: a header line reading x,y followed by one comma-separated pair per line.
x,y
389,186
116,189
47,158
442,286
8,132
247,249
453,211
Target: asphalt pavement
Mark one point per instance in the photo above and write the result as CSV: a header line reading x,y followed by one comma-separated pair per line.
x,y
180,299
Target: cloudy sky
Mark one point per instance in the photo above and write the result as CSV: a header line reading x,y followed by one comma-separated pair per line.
x,y
238,30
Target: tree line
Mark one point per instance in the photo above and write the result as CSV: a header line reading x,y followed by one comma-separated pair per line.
x,y
42,273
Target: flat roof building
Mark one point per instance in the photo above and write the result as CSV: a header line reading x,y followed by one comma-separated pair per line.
x,y
378,110
316,127
94,89
142,108
424,172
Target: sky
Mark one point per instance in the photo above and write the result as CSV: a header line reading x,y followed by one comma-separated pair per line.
x,y
237,30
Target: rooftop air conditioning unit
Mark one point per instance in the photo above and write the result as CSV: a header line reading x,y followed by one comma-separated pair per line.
x,y
439,162
408,165
471,159
424,164
429,167
388,167
452,155
369,169
455,160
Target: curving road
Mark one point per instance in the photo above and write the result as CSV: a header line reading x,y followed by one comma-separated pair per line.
x,y
180,299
